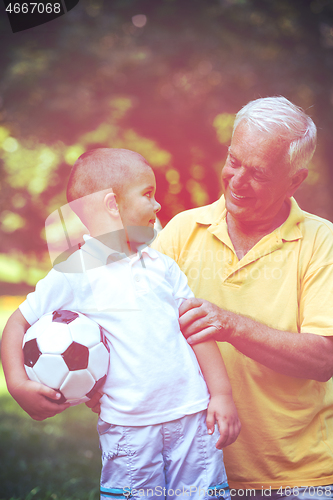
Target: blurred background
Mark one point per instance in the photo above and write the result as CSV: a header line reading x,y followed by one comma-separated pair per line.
x,y
164,78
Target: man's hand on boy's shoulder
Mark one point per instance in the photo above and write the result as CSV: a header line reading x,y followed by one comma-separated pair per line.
x,y
38,400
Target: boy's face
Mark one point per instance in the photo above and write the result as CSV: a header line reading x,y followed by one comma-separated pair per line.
x,y
137,204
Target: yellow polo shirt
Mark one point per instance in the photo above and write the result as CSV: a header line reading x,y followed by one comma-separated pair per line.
x,y
286,282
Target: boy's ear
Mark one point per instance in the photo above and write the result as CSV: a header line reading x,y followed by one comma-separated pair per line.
x,y
111,204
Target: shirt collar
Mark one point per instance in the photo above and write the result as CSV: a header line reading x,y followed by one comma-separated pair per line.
x,y
102,252
96,248
213,214
289,230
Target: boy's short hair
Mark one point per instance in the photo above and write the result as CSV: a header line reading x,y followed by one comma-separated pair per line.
x,y
102,168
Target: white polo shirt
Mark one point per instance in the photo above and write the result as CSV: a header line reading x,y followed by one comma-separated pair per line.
x,y
154,376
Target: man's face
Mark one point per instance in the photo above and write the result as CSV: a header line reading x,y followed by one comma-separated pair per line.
x,y
137,204
255,178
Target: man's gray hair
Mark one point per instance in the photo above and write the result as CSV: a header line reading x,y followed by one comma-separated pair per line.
x,y
278,115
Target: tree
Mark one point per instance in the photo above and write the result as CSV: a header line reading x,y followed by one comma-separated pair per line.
x,y
166,83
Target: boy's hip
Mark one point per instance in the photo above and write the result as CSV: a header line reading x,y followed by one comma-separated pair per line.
x,y
169,460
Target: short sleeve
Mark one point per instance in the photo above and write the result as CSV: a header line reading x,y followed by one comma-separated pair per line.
x,y
51,293
316,313
178,280
316,293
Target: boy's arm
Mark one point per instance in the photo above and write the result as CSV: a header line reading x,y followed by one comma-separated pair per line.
x,y
221,408
31,396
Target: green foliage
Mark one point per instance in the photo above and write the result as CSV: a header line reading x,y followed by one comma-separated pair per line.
x,y
57,459
224,124
166,86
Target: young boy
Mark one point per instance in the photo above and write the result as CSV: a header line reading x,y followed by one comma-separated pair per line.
x,y
153,421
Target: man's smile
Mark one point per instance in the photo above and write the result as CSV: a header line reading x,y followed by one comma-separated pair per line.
x,y
237,197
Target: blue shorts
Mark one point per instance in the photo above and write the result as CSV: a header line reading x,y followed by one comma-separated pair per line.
x,y
176,459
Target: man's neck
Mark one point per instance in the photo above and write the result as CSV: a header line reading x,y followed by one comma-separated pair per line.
x,y
246,234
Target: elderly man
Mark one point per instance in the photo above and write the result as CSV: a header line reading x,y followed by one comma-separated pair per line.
x,y
266,268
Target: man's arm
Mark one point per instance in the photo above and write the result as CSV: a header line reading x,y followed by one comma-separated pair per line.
x,y
304,355
31,396
221,408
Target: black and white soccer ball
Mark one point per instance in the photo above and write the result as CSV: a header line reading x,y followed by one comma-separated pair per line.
x,y
68,352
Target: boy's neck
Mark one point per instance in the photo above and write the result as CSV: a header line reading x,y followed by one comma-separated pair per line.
x,y
115,240
127,240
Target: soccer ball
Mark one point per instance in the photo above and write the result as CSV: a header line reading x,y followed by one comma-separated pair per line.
x,y
68,352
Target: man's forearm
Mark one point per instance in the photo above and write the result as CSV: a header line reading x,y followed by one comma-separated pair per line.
x,y
302,355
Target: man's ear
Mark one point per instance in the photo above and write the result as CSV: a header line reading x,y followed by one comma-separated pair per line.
x,y
111,205
296,180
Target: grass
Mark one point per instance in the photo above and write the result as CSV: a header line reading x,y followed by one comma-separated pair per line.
x,y
57,459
